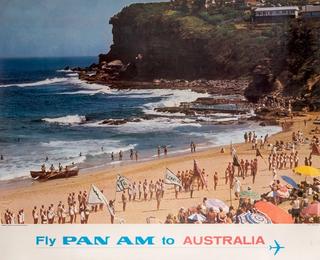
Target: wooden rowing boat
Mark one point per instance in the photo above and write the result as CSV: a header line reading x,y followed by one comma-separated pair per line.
x,y
42,175
37,174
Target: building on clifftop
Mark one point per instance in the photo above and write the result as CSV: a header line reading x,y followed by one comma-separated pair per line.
x,y
275,14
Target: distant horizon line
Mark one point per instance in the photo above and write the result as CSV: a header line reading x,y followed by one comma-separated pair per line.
x,y
43,57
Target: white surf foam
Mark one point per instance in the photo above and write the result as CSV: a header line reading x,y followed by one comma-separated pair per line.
x,y
65,152
66,120
69,70
236,134
36,83
171,98
147,126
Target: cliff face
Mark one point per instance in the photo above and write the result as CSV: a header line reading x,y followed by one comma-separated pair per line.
x,y
172,44
159,40
293,67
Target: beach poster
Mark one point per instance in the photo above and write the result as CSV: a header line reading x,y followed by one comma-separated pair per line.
x,y
142,129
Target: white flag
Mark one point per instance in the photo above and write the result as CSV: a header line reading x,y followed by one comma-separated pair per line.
x,y
171,178
97,197
122,183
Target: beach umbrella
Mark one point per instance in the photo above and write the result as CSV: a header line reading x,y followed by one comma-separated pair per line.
x,y
276,214
249,194
254,218
313,210
290,181
216,204
197,217
307,171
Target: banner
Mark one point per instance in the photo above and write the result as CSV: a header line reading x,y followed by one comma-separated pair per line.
x,y
198,172
171,178
156,242
122,183
97,197
315,149
235,159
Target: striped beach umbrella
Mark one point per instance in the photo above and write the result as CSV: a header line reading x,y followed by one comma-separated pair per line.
x,y
254,218
197,217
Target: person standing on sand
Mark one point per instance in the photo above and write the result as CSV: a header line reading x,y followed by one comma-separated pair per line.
x,y
254,170
165,150
145,189
120,155
21,217
82,215
151,189
158,197
111,206
35,215
112,156
124,201
50,214
63,214
136,155
86,213
237,188
71,213
130,192
140,189
176,191
215,180
162,188
191,189
159,151
134,191
131,154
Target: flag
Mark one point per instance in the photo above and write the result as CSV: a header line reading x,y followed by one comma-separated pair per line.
x,y
315,149
97,197
235,159
258,153
231,147
197,172
171,178
122,183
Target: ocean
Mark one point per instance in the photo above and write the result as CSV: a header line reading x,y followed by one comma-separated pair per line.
x,y
47,112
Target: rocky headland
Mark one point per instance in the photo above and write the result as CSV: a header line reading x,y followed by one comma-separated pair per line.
x,y
218,51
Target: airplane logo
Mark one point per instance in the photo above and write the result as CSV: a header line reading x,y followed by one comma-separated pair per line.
x,y
277,247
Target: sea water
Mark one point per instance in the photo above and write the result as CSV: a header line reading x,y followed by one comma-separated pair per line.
x,y
46,112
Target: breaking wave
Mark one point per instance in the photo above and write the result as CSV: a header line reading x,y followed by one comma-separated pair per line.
x,y
66,120
36,83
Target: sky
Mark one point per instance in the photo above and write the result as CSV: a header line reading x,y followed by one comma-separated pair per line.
x,y
57,28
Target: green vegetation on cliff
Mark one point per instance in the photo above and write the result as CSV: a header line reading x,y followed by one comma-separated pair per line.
x,y
164,40
174,44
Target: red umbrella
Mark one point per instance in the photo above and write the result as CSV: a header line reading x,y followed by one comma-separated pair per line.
x,y
313,210
276,214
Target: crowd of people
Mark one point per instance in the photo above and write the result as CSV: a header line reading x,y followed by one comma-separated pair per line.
x,y
299,199
281,156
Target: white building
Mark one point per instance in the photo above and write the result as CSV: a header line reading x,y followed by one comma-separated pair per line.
x,y
275,13
310,11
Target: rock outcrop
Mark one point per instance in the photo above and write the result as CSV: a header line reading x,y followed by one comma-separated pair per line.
x,y
293,68
161,42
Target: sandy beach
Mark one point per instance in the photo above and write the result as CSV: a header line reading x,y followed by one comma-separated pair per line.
x,y
27,195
